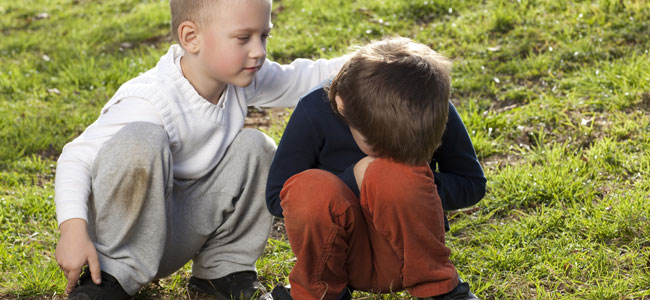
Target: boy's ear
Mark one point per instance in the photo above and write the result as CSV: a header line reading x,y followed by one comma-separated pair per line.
x,y
339,104
188,36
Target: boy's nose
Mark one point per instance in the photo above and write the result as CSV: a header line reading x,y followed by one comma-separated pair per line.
x,y
258,51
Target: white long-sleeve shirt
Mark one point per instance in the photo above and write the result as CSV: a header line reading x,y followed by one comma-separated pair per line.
x,y
199,131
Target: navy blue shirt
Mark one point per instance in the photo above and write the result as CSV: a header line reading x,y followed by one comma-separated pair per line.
x,y
315,138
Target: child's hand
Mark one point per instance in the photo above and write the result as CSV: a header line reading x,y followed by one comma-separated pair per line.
x,y
360,169
76,250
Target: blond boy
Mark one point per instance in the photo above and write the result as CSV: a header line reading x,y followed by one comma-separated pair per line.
x,y
167,174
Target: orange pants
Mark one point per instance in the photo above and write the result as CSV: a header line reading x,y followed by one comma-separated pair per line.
x,y
391,238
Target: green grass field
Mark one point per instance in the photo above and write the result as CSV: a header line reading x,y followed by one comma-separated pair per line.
x,y
555,95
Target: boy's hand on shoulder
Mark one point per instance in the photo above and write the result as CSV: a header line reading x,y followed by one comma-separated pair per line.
x,y
74,250
360,169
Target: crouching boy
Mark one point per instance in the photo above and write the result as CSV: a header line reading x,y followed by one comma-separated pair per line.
x,y
352,178
167,174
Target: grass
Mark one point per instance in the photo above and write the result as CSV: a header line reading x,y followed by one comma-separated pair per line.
x,y
555,95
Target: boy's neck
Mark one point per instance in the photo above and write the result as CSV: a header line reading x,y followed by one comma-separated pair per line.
x,y
208,88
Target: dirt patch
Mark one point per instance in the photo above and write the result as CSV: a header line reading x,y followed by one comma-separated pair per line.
x,y
645,101
278,232
264,118
49,153
500,161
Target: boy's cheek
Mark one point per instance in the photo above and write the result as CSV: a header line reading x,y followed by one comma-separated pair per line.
x,y
368,151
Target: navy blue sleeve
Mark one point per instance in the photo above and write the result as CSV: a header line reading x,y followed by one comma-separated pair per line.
x,y
347,176
459,176
298,151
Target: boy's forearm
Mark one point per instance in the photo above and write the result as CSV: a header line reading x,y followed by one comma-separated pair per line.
x,y
273,188
459,177
457,191
71,189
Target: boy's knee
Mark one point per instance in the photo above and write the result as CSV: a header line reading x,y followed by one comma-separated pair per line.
x,y
313,194
399,185
254,139
136,145
255,142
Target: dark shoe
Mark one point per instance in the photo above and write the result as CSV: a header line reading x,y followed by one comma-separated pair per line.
x,y
281,292
238,285
109,289
460,292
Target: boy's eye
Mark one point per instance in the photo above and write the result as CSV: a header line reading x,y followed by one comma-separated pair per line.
x,y
243,37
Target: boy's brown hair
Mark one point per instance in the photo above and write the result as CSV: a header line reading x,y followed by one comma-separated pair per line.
x,y
395,92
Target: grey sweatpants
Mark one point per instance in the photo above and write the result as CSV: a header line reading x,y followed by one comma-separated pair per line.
x,y
146,224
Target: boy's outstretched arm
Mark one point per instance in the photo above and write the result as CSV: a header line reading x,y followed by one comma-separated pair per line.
x,y
460,178
278,85
75,250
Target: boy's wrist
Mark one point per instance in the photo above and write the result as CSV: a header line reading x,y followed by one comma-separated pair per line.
x,y
76,225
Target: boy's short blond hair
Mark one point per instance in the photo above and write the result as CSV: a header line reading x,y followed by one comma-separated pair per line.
x,y
395,92
200,12
197,11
